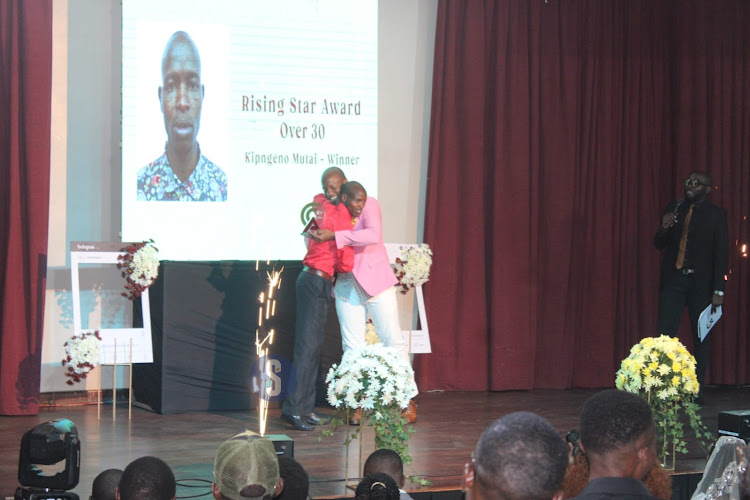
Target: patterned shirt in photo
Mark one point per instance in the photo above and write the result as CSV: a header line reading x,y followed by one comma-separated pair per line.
x,y
157,182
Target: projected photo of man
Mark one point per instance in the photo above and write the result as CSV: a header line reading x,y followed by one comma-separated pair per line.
x,y
182,173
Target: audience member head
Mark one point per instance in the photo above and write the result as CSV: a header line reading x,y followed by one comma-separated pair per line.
x,y
377,486
618,435
296,480
105,485
246,468
387,461
147,478
657,482
519,456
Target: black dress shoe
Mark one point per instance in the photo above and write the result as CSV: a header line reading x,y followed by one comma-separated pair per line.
x,y
298,422
315,419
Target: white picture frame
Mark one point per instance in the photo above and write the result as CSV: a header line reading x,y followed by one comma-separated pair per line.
x,y
418,340
88,252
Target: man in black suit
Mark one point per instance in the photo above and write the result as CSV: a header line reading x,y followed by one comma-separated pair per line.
x,y
693,273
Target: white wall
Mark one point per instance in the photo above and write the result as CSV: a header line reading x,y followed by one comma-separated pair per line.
x,y
406,48
85,157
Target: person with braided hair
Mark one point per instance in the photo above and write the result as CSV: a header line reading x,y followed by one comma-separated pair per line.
x,y
388,461
377,486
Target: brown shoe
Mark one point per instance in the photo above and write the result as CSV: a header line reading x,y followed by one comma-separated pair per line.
x,y
410,413
356,418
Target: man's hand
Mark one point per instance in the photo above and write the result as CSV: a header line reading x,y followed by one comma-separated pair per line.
x,y
668,220
716,301
322,235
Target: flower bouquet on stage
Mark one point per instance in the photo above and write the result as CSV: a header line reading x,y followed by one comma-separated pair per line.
x,y
377,380
413,266
662,371
81,355
139,266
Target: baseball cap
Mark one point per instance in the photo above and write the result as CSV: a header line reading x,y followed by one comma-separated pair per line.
x,y
246,467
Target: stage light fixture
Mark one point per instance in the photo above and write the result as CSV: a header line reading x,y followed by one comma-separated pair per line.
x,y
43,449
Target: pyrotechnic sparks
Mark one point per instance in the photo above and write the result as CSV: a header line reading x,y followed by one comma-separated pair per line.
x,y
268,303
260,350
274,281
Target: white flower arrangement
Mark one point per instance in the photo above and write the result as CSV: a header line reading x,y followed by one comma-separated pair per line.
x,y
378,381
82,355
662,371
413,266
371,377
140,265
145,265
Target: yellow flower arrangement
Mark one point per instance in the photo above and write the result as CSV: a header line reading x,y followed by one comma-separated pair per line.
x,y
661,370
659,367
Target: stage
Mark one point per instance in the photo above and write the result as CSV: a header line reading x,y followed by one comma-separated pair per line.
x,y
449,425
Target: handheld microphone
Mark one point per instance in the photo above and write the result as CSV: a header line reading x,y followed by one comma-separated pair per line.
x,y
677,208
678,205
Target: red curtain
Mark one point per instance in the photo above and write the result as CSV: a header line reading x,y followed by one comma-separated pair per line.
x,y
560,130
25,90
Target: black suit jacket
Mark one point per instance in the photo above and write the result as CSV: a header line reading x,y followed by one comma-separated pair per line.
x,y
707,249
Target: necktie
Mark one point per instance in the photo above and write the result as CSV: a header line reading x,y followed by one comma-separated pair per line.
x,y
683,239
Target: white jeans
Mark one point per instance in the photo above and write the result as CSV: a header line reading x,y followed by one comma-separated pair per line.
x,y
383,309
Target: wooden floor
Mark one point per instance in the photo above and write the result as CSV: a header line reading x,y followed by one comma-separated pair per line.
x,y
448,428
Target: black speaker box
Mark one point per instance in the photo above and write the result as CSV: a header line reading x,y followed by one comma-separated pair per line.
x,y
283,445
735,423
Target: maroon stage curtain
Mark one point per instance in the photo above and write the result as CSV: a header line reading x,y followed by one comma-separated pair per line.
x,y
559,132
25,90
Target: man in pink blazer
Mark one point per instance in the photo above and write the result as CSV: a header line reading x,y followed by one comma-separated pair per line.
x,y
371,266
369,287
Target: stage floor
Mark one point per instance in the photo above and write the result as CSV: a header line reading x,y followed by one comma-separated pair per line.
x,y
449,425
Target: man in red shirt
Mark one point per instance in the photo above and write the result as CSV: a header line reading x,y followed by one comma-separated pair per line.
x,y
313,290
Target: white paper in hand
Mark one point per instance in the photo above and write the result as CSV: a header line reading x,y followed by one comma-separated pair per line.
x,y
707,320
